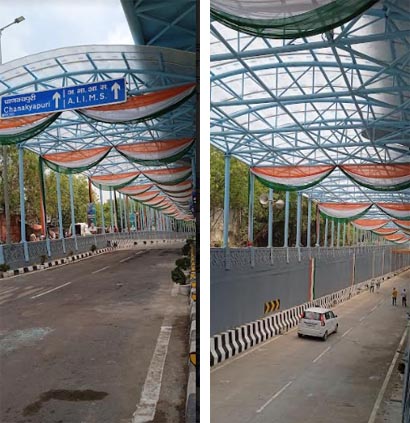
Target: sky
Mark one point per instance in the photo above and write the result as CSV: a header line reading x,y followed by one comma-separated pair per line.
x,y
51,24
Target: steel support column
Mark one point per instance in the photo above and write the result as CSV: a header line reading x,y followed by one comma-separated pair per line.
x,y
309,223
251,207
225,243
298,220
73,234
286,229
22,205
60,212
270,218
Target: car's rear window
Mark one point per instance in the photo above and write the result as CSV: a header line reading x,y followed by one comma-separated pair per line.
x,y
311,315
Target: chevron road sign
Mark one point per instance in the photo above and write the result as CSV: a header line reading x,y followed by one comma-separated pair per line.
x,y
273,305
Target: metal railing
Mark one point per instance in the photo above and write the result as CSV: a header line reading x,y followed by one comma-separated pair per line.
x,y
39,251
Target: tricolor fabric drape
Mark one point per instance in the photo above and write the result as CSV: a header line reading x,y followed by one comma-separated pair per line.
x,y
286,18
343,212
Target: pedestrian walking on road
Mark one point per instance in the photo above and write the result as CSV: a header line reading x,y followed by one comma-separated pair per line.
x,y
404,298
372,286
377,285
394,296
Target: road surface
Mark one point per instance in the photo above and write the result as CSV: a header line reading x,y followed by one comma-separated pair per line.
x,y
96,341
289,379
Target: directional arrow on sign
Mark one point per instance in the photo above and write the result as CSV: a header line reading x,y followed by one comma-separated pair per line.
x,y
56,98
115,88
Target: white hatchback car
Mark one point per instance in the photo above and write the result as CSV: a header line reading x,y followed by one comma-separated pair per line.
x,y
319,322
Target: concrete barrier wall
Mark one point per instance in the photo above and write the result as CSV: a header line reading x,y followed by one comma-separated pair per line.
x,y
13,254
235,341
255,276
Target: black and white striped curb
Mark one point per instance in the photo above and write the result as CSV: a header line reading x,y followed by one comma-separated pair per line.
x,y
52,263
235,341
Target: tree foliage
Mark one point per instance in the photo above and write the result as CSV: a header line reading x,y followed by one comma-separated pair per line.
x,y
239,203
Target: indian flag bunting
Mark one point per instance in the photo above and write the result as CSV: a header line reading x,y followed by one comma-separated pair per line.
x,y
116,181
312,279
286,19
135,189
168,176
402,224
157,201
156,152
398,211
16,130
187,193
404,240
343,212
291,178
180,187
146,196
385,231
76,161
380,177
394,238
142,107
370,224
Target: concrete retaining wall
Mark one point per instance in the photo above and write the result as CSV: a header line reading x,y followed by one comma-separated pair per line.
x,y
235,341
256,276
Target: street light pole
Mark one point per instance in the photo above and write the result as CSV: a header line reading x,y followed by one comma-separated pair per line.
x,y
5,154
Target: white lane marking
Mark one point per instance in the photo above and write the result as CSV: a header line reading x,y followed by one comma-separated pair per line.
x,y
30,291
126,259
7,290
6,297
362,318
150,392
374,308
250,351
379,399
321,354
50,290
275,396
348,330
100,270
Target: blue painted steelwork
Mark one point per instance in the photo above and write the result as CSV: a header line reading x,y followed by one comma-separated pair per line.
x,y
332,99
286,229
326,233
251,207
111,212
22,205
60,212
298,220
158,22
73,233
270,217
338,235
226,200
309,223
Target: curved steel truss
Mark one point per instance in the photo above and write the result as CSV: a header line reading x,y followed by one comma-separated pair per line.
x,y
145,68
342,97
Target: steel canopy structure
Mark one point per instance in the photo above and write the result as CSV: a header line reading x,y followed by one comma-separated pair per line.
x,y
157,23
340,97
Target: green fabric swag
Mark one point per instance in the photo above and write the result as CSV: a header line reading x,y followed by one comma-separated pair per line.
x,y
317,21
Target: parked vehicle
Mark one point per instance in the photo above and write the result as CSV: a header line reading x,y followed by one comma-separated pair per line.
x,y
318,322
81,229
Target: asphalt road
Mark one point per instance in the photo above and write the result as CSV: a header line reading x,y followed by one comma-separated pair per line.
x,y
96,341
289,379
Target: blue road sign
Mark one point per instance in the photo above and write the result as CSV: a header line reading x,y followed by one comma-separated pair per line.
x,y
67,98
